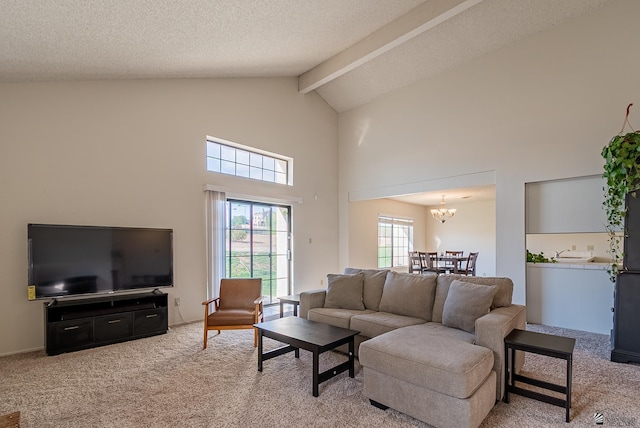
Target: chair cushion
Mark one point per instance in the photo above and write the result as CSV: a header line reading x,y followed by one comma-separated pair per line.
x,y
465,303
409,294
373,285
226,317
344,291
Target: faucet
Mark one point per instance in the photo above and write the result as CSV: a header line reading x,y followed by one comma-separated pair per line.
x,y
558,253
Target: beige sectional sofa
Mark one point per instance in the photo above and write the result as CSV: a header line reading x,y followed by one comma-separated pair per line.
x,y
431,346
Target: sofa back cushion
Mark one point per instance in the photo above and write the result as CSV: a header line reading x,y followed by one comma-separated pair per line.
x,y
373,285
465,303
409,294
344,291
500,299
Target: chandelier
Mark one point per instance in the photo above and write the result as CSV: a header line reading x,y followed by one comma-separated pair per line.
x,y
443,214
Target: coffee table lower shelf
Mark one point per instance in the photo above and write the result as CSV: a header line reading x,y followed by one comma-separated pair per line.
x,y
315,337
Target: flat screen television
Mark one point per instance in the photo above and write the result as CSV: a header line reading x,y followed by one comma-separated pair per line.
x,y
80,260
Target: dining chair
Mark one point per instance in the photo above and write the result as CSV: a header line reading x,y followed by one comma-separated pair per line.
x,y
470,268
238,307
415,262
431,259
450,264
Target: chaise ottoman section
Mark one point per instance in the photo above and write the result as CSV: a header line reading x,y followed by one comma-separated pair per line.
x,y
440,380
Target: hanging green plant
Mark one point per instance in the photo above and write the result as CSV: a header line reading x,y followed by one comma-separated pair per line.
x,y
622,173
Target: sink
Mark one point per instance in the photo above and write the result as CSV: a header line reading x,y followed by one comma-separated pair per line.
x,y
570,259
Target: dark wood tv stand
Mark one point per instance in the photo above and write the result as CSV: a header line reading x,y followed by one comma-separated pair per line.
x,y
71,325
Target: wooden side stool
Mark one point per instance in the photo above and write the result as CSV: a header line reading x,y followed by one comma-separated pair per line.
x,y
541,344
10,420
293,299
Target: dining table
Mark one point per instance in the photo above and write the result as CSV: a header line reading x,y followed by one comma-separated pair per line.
x,y
449,264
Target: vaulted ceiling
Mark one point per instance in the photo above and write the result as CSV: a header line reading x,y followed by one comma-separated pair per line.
x,y
348,51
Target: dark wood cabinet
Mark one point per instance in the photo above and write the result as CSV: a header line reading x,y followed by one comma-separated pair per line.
x,y
631,244
626,319
625,336
86,323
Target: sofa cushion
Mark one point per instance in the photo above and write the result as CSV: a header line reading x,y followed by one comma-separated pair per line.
x,y
409,294
442,364
344,291
501,298
373,285
335,317
377,323
465,303
437,329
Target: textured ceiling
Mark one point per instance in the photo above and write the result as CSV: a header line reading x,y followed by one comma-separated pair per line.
x,y
109,39
379,45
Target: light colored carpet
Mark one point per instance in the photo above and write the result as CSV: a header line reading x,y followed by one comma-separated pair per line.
x,y
169,381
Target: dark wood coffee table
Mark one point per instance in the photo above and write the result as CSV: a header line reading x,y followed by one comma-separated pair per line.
x,y
312,336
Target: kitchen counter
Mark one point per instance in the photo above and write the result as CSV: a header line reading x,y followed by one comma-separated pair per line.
x,y
589,265
570,295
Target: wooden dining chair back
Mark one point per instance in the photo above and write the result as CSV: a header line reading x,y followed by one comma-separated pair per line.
x,y
454,266
431,259
470,268
238,307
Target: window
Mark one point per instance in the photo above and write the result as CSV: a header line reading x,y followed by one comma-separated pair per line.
x,y
229,158
395,240
257,245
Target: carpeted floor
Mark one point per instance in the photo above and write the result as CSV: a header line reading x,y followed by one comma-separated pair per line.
x,y
169,381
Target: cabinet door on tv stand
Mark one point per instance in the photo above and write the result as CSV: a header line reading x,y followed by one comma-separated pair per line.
x,y
69,335
113,327
151,321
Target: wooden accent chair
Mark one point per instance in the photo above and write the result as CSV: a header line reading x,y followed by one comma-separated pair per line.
x,y
238,307
470,268
10,420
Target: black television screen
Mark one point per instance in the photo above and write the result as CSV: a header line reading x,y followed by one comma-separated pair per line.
x,y
74,260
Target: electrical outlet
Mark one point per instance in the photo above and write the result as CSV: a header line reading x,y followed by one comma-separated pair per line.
x,y
590,247
176,301
322,282
573,248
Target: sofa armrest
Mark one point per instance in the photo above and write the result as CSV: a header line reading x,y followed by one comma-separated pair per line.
x,y
491,329
311,299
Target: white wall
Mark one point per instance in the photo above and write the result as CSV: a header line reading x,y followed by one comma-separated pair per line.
x,y
363,228
560,296
566,206
539,109
472,229
549,243
132,153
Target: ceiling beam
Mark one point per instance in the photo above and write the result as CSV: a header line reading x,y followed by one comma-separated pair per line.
x,y
411,24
